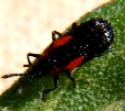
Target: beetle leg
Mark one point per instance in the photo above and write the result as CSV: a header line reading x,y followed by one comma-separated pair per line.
x,y
74,25
28,58
49,90
71,78
56,35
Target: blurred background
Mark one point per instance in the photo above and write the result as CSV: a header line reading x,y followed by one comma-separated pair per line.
x,y
26,26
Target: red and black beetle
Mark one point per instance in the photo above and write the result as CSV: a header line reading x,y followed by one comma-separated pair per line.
x,y
81,44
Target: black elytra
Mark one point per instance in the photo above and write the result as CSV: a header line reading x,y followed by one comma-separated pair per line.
x,y
84,42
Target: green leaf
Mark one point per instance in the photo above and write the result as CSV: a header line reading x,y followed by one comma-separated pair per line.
x,y
100,82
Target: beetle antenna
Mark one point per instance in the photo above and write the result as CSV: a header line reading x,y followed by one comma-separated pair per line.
x,y
11,75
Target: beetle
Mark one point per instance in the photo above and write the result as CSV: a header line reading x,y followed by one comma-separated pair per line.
x,y
84,42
